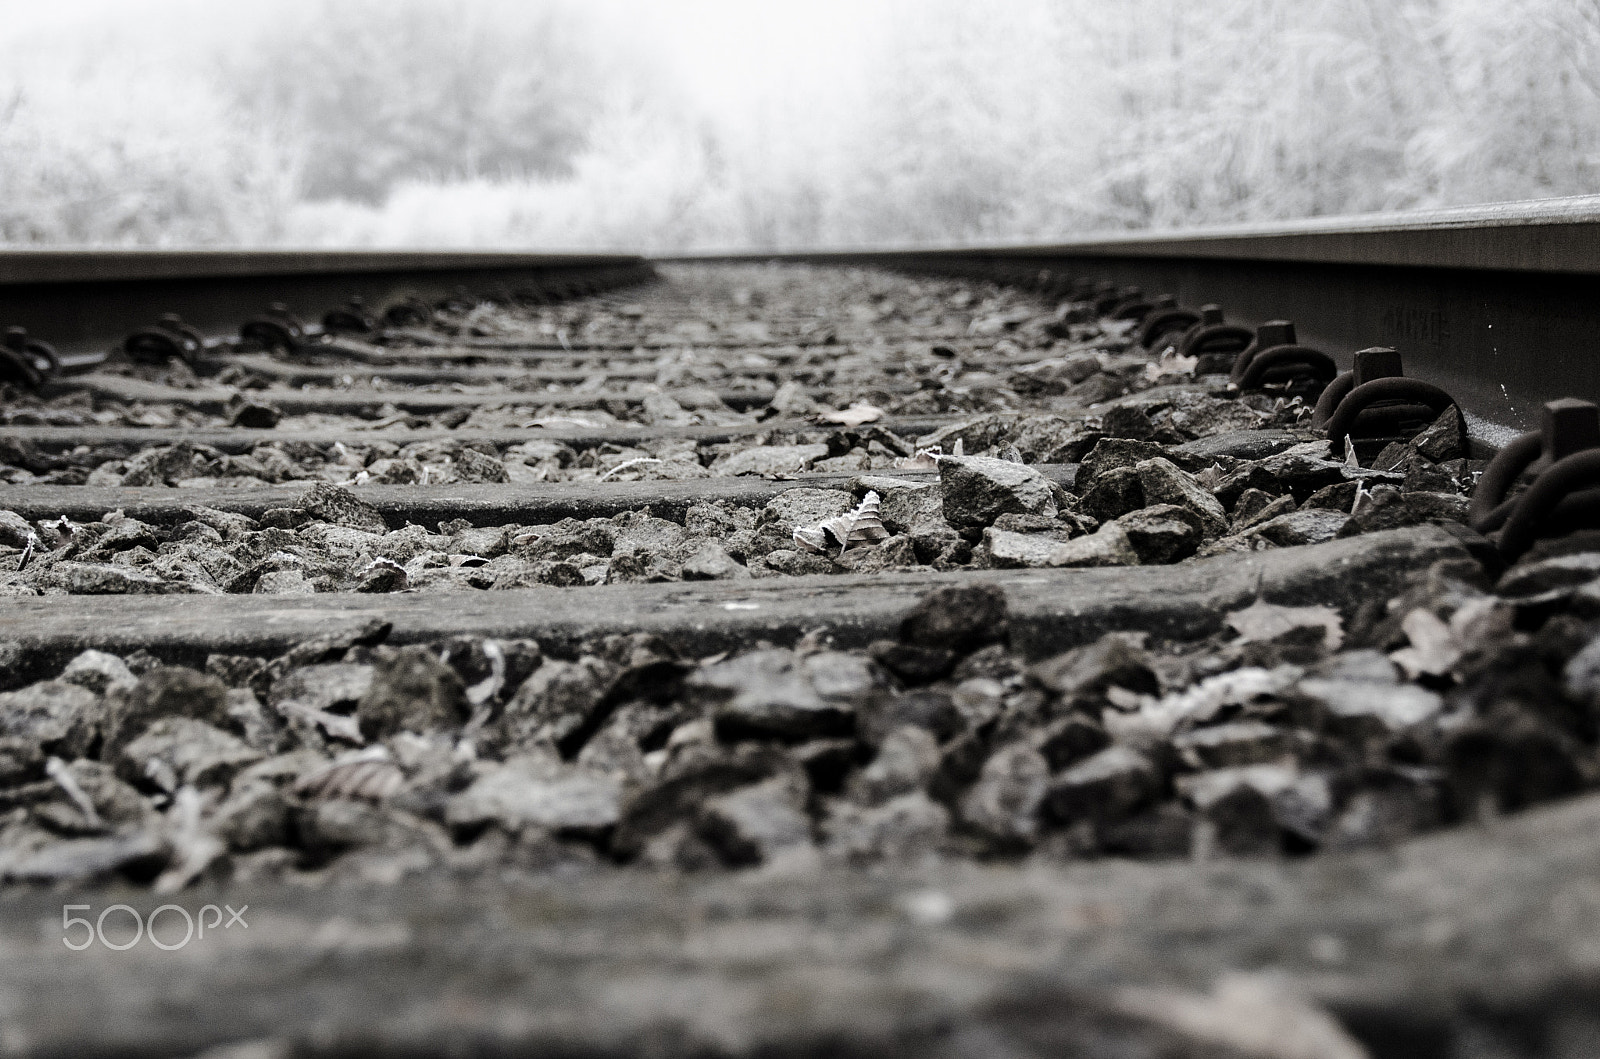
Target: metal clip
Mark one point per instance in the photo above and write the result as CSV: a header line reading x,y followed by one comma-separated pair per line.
x,y
1166,325
1275,357
27,361
1563,455
168,338
275,329
1220,343
1375,404
352,318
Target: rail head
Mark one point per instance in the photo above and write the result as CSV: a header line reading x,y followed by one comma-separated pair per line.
x,y
20,266
1547,235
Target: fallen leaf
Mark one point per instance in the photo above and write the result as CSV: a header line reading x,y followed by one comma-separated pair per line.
x,y
1268,621
924,460
854,416
862,525
1436,645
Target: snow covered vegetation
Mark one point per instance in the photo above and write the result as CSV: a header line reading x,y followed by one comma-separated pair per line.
x,y
712,123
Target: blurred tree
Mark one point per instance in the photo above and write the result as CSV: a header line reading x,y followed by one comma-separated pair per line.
x,y
381,91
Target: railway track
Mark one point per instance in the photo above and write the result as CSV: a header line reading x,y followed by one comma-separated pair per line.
x,y
920,652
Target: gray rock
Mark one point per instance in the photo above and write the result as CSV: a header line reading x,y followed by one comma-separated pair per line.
x,y
82,860
841,675
21,760
384,576
797,563
256,816
124,534
15,531
98,671
165,691
330,827
794,508
116,802
1004,803
1255,507
332,503
1388,508
568,538
1338,497
1246,444
771,460
1301,469
559,698
533,791
1112,493
1082,675
958,618
902,829
711,562
1105,788
1536,577
103,579
1162,533
55,716
977,489
177,751
1306,526
906,760
1068,740
757,824
765,694
289,582
1239,822
411,691
1109,545
1370,709
903,505
1112,454
230,524
1442,439
930,708
333,686
1067,525
262,729
474,466
1008,550
1163,483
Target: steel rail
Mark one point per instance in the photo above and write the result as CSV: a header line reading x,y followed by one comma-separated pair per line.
x,y
1498,304
83,300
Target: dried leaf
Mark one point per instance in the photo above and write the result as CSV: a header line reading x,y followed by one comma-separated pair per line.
x,y
1209,478
854,416
924,460
367,779
1434,649
340,727
1436,646
1199,702
859,526
489,686
1268,621
1169,363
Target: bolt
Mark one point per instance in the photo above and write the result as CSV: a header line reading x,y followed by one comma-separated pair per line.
x,y
1275,333
1568,426
1377,362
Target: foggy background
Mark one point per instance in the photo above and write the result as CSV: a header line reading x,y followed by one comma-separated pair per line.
x,y
684,124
